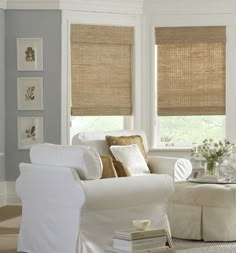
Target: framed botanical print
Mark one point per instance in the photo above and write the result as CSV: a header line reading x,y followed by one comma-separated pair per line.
x,y
30,131
30,93
29,54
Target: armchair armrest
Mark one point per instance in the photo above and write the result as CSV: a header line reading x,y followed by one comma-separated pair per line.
x,y
178,168
52,198
126,192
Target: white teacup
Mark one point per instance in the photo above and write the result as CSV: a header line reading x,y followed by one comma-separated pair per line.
x,y
141,224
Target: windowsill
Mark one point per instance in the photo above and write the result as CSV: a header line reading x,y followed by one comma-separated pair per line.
x,y
171,149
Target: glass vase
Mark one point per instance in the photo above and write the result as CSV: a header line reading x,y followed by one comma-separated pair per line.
x,y
211,168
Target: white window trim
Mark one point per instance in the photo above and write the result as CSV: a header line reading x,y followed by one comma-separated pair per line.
x,y
69,17
227,20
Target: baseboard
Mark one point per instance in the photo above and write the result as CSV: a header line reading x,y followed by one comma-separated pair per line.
x,y
8,194
11,196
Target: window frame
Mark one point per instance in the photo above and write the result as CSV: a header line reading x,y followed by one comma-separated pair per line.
x,y
159,143
186,20
79,17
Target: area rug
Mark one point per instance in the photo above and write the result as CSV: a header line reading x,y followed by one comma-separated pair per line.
x,y
186,246
10,218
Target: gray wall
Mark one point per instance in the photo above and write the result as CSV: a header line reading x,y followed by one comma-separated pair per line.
x,y
32,24
2,96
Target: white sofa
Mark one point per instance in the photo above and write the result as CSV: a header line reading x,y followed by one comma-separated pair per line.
x,y
178,169
67,208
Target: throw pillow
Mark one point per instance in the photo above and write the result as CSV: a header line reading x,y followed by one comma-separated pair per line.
x,y
127,140
121,169
108,167
132,157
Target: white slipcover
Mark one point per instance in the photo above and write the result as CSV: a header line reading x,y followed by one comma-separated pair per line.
x,y
97,139
85,159
203,211
62,213
178,169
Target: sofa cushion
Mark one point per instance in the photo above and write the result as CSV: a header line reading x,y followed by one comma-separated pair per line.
x,y
84,159
132,157
127,140
108,167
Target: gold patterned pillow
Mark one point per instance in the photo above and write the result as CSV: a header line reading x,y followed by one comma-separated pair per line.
x,y
108,167
121,169
127,140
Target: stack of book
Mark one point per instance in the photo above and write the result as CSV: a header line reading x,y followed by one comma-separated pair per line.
x,y
141,241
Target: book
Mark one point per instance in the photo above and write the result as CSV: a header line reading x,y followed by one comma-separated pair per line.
x,y
155,250
135,234
158,239
137,248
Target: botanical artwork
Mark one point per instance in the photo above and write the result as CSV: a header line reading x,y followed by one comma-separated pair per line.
x,y
29,54
30,93
30,131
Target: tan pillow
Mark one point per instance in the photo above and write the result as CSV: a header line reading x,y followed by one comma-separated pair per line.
x,y
127,140
108,167
121,169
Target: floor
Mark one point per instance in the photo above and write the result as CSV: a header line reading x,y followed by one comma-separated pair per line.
x,y
10,218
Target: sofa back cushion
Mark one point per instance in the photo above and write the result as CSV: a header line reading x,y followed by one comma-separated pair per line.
x,y
84,159
98,139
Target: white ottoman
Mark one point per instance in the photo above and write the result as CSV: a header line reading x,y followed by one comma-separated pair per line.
x,y
203,211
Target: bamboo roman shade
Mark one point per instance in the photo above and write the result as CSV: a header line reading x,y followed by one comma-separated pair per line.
x,y
191,70
101,70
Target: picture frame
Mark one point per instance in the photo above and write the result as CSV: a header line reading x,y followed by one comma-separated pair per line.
x,y
197,173
29,54
30,93
30,131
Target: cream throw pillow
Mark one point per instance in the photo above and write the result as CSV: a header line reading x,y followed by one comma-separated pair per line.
x,y
132,157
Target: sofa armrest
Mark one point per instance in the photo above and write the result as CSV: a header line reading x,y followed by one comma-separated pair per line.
x,y
125,192
178,168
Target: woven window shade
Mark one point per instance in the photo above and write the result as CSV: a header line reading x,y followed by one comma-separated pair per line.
x,y
191,71
101,70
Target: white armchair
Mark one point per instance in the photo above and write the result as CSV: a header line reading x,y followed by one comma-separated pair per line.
x,y
68,208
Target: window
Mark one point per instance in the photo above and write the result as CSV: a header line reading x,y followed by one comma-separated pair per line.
x,y
96,123
186,130
99,123
190,84
101,70
101,74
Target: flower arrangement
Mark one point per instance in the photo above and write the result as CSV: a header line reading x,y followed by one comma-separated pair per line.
x,y
212,151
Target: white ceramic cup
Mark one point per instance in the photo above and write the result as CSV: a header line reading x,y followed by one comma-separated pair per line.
x,y
141,224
